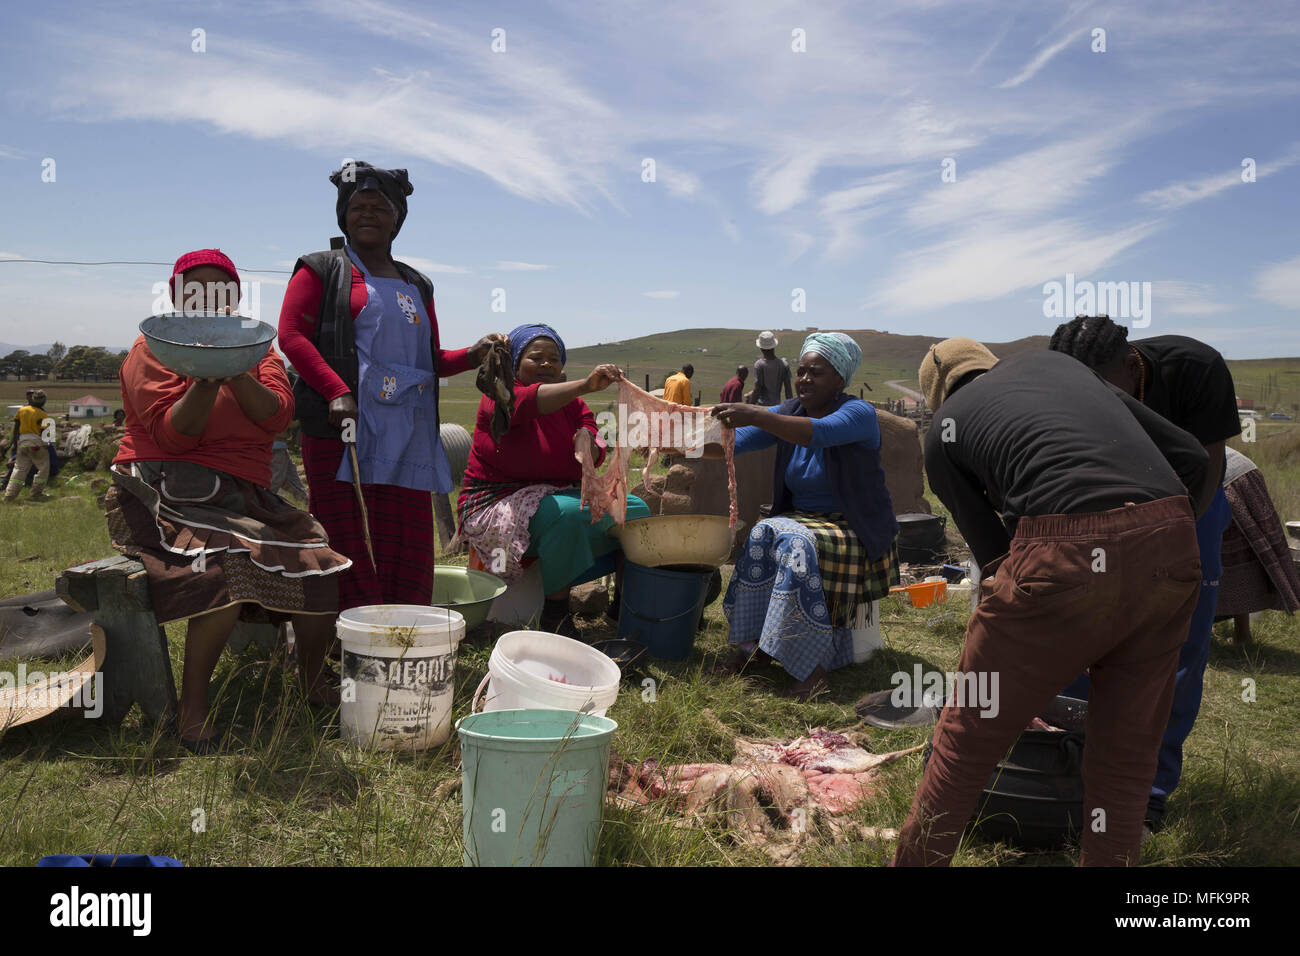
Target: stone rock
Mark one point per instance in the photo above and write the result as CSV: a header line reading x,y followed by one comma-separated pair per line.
x,y
904,462
588,600
679,479
98,484
675,504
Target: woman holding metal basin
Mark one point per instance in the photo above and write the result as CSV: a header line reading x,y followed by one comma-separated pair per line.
x,y
830,543
361,331
190,501
520,497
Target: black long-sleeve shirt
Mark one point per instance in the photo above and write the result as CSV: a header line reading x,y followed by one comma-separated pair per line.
x,y
1042,434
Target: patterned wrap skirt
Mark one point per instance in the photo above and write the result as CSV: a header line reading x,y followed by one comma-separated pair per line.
x,y
542,521
797,584
209,540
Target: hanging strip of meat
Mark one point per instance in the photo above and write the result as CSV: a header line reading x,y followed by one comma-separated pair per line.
x,y
655,427
496,380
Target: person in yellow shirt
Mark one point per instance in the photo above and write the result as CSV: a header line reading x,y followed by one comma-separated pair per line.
x,y
678,387
30,448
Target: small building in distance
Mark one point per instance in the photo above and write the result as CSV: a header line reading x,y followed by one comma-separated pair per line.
x,y
88,406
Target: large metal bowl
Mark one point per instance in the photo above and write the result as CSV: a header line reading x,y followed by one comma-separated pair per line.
x,y
662,540
207,344
467,591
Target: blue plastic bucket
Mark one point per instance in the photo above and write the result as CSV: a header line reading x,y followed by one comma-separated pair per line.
x,y
661,607
533,786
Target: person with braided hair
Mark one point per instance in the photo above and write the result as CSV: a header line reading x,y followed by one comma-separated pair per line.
x,y
1187,383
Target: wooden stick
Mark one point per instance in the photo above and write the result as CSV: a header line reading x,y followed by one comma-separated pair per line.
x,y
361,500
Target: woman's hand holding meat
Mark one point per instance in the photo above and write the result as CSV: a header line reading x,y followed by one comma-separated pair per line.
x,y
737,414
602,377
479,350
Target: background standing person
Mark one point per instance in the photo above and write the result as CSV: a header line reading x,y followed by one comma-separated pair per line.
x,y
29,448
734,390
1047,470
1187,383
677,388
361,330
771,374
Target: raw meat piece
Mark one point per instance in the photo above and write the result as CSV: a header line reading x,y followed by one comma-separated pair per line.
x,y
604,494
822,751
772,795
496,380
607,494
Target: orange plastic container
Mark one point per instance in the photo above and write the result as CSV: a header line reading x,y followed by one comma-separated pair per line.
x,y
925,593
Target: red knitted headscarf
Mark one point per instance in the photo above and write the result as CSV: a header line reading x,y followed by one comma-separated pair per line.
x,y
201,257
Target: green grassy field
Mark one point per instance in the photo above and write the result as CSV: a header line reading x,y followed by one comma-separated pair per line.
x,y
290,791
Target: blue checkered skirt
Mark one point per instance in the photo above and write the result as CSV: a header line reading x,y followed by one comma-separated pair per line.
x,y
798,581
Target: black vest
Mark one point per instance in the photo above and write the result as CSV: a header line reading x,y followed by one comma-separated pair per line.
x,y
336,338
857,481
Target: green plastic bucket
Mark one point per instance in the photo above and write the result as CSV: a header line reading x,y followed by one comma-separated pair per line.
x,y
533,786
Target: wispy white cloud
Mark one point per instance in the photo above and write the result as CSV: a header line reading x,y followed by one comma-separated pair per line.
x,y
1023,185
9,152
844,210
509,266
981,265
1041,59
1177,195
662,294
1280,283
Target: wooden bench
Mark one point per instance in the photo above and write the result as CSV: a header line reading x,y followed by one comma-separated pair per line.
x,y
137,666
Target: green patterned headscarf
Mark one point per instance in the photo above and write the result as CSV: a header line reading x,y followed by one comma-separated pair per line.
x,y
838,349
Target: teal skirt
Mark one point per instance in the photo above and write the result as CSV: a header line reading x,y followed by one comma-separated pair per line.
x,y
571,549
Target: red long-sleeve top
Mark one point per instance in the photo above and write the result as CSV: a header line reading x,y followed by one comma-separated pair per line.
x,y
537,447
230,442
298,315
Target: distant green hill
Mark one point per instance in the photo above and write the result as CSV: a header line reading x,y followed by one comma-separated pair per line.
x,y
715,353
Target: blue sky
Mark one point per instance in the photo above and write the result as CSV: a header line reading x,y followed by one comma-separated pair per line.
x,y
775,169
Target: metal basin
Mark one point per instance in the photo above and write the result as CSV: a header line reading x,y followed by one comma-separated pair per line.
x,y
676,539
207,344
466,591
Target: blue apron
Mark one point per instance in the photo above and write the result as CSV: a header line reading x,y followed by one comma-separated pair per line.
x,y
397,435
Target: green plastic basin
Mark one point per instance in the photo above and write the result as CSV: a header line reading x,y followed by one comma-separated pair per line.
x,y
467,591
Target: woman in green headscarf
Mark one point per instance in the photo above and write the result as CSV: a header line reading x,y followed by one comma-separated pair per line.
x,y
830,543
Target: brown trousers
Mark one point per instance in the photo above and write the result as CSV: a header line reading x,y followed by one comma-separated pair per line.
x,y
1049,612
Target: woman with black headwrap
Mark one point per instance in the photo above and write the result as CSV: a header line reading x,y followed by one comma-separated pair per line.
x,y
360,329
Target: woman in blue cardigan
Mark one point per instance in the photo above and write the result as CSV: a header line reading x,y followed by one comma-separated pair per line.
x,y
831,542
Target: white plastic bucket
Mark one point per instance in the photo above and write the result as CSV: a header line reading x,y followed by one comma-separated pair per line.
x,y
542,671
866,632
399,664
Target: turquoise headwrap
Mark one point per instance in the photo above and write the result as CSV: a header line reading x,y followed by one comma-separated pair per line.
x,y
838,349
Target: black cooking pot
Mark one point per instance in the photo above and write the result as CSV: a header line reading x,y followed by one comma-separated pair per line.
x,y
1034,797
921,538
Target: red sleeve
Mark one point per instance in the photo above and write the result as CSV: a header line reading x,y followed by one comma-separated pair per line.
x,y
525,404
298,330
270,372
446,362
153,389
